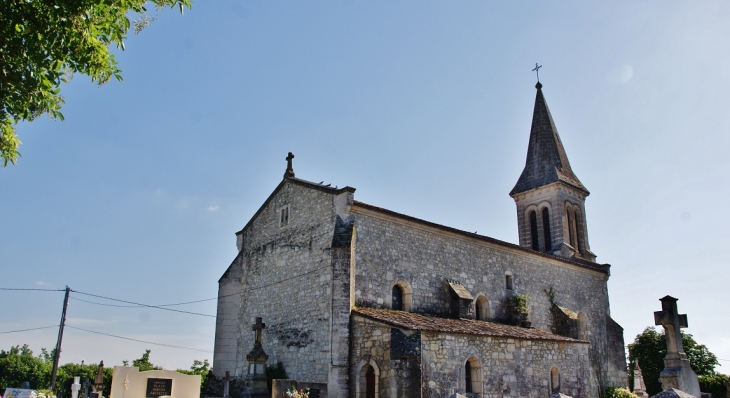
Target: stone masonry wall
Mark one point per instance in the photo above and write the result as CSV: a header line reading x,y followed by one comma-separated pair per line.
x,y
226,321
398,376
508,367
392,249
286,278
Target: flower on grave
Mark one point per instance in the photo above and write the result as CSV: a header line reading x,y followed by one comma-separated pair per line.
x,y
293,393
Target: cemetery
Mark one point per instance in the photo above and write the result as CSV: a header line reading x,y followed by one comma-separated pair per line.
x,y
678,379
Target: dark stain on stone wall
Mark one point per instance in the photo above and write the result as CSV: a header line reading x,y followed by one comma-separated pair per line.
x,y
403,346
291,337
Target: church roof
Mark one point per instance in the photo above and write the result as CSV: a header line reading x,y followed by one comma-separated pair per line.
x,y
413,321
546,159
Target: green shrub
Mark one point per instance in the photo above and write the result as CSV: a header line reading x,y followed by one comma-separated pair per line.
x,y
715,384
618,392
519,304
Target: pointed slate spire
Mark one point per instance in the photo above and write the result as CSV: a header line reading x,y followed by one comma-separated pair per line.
x,y
546,159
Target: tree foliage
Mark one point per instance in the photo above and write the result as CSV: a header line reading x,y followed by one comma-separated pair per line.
x,y
198,368
18,365
650,348
716,385
144,363
44,42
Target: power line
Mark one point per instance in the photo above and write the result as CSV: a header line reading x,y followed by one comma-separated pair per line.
x,y
139,305
162,306
106,305
26,330
143,305
139,341
134,305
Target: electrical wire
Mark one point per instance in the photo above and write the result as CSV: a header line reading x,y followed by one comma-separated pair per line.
x,y
136,305
38,290
139,341
140,305
26,330
143,305
103,304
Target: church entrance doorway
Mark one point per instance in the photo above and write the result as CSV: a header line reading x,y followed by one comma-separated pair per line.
x,y
370,383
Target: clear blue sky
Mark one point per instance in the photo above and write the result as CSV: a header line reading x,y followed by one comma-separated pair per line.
x,y
424,107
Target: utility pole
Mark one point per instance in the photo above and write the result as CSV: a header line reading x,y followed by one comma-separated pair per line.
x,y
57,353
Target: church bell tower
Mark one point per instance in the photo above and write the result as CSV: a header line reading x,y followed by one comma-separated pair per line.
x,y
549,197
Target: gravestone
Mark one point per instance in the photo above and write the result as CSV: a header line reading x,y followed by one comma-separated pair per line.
x,y
129,382
98,385
75,387
677,373
227,385
86,384
639,386
673,393
256,386
20,393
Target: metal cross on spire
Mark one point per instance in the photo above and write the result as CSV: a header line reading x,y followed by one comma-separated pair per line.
x,y
536,69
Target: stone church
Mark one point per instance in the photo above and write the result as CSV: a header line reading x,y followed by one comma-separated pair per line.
x,y
377,304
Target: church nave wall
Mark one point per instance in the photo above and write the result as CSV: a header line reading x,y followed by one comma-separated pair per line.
x,y
390,250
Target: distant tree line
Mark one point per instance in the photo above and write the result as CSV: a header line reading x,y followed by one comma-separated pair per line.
x,y
19,365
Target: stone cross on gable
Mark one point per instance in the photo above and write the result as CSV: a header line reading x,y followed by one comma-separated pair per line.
x,y
672,322
259,326
289,170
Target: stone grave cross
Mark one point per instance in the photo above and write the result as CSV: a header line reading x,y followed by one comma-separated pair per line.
x,y
259,326
87,384
677,373
672,323
289,170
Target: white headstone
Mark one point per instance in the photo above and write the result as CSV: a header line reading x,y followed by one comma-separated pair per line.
x,y
129,382
75,387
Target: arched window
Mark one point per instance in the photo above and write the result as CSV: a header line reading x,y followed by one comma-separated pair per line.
x,y
582,326
546,229
554,381
578,232
467,374
533,231
367,387
482,308
571,231
397,301
402,297
473,376
574,234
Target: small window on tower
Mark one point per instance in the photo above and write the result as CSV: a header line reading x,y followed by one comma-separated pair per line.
x,y
508,281
284,216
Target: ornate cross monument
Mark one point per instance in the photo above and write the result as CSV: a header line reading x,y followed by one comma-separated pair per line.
x,y
677,372
256,378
